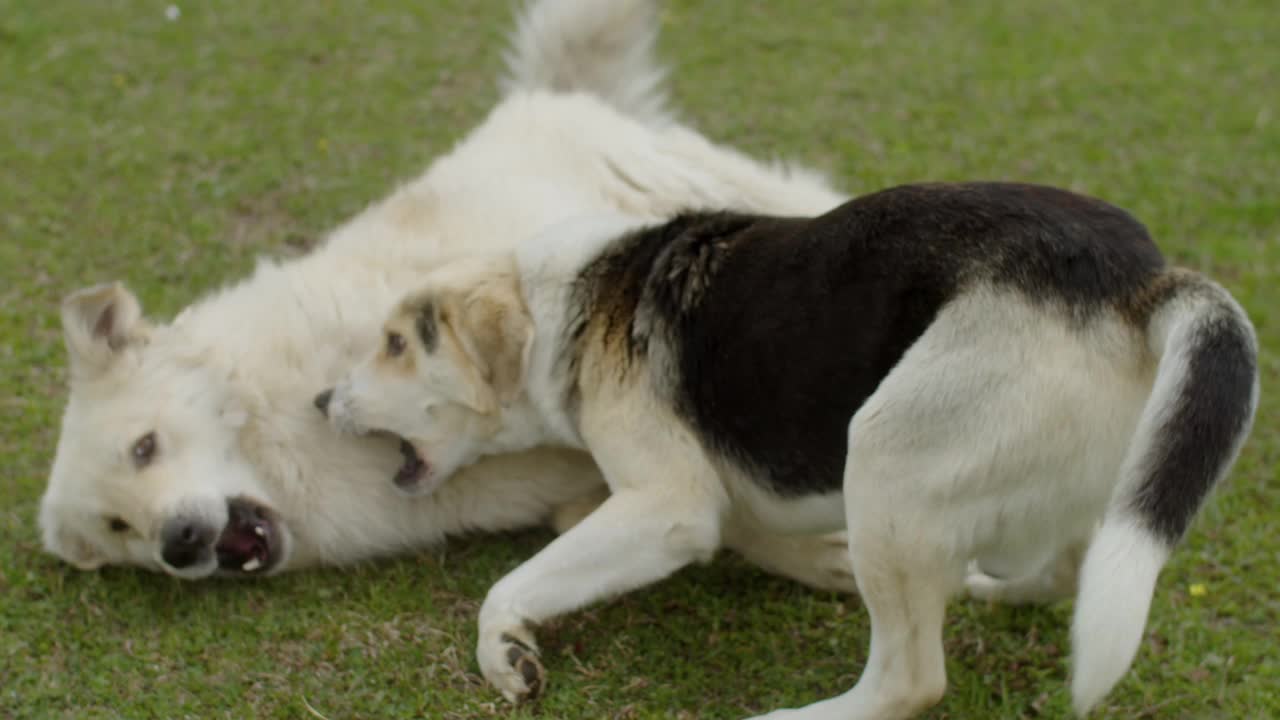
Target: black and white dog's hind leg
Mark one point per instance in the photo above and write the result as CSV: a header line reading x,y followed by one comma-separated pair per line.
x,y
977,447
931,434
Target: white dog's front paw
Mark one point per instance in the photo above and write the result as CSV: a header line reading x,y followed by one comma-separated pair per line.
x,y
834,564
509,661
982,586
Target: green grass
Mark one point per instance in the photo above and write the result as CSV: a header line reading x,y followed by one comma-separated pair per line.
x,y
169,154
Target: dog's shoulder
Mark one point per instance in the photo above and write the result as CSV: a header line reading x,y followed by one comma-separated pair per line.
x,y
663,271
690,250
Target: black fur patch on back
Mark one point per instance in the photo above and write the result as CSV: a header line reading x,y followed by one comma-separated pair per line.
x,y
783,327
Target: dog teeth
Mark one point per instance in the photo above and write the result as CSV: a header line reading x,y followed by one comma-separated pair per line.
x,y
251,565
259,531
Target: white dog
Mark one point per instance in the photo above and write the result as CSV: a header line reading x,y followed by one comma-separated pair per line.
x,y
193,447
984,373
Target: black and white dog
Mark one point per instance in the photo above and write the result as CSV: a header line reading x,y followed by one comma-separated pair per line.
x,y
994,375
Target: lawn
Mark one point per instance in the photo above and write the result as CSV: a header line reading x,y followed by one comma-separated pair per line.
x,y
171,152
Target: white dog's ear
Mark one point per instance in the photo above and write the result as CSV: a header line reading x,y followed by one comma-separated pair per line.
x,y
97,323
496,334
67,544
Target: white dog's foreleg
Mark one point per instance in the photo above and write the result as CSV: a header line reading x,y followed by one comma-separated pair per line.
x,y
569,514
819,561
1057,580
637,537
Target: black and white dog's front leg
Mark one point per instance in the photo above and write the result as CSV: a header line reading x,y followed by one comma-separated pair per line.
x,y
666,512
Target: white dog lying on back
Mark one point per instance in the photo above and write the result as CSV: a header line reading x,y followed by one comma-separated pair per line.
x,y
190,446
991,373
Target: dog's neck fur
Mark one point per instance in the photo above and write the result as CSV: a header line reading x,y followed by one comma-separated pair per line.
x,y
549,266
521,425
539,416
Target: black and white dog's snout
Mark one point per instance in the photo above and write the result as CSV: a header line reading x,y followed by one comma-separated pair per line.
x,y
322,401
186,542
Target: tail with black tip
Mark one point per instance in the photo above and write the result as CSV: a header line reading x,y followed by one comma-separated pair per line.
x,y
1198,415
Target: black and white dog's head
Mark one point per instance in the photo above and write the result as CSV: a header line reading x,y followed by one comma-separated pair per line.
x,y
452,355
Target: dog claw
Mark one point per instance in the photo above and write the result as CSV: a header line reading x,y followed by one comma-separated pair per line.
x,y
524,661
512,666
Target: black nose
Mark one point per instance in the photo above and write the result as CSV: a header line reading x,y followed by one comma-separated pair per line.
x,y
322,401
185,542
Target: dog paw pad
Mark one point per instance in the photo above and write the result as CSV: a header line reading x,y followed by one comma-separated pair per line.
x,y
523,660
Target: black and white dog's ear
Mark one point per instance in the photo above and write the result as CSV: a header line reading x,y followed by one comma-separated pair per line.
x,y
495,332
98,323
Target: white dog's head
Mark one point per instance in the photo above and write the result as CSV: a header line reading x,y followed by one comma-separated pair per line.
x,y
452,358
149,470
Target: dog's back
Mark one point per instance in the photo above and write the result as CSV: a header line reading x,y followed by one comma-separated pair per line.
x,y
782,327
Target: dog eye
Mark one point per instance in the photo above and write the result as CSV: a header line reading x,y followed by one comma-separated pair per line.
x,y
395,344
144,449
117,525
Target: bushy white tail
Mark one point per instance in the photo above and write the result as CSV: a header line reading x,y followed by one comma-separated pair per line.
x,y
602,47
1116,584
1199,413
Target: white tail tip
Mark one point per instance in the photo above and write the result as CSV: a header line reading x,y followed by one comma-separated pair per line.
x,y
1116,584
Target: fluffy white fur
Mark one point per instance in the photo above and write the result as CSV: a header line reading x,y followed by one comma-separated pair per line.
x,y
227,385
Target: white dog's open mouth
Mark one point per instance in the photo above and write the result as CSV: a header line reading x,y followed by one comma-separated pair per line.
x,y
251,542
